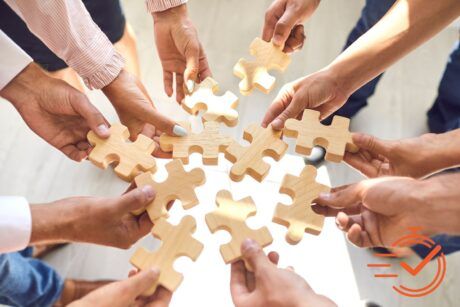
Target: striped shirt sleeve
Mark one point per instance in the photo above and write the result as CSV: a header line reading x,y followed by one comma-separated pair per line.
x,y
162,5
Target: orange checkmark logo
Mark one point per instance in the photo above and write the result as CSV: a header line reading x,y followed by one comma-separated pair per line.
x,y
423,263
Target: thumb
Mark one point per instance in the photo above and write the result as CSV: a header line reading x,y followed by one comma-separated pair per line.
x,y
284,27
95,120
192,58
163,123
292,111
347,197
371,143
139,283
254,255
136,199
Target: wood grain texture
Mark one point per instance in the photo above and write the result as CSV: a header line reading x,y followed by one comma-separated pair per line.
x,y
209,143
231,216
180,185
177,241
216,108
309,131
299,216
248,159
254,74
132,158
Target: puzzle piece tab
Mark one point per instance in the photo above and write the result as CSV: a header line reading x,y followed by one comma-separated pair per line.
x,y
255,73
309,131
209,143
299,216
177,241
179,185
248,160
132,157
217,108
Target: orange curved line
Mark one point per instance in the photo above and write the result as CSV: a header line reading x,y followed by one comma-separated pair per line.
x,y
413,236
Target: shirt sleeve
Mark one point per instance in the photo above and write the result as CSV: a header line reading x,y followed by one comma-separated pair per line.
x,y
66,28
12,60
162,5
15,223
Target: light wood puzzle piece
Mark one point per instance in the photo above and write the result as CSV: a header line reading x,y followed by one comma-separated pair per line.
x,y
209,143
132,157
217,108
179,185
248,160
177,241
231,216
309,131
255,73
299,216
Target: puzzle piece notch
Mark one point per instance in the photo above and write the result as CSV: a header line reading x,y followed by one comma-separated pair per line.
x,y
255,73
210,142
132,157
231,216
249,159
335,138
180,185
299,217
177,241
216,108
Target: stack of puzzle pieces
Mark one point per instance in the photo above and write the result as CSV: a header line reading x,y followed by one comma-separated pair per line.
x,y
134,163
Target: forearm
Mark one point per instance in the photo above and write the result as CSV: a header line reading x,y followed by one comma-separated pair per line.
x,y
408,24
445,152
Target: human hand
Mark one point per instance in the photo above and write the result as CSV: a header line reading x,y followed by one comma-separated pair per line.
x,y
283,22
104,221
55,111
269,285
318,91
376,212
414,157
128,293
135,108
180,51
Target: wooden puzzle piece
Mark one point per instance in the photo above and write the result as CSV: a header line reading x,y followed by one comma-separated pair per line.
x,y
309,131
217,108
255,73
179,185
248,160
231,216
132,157
209,143
177,241
299,216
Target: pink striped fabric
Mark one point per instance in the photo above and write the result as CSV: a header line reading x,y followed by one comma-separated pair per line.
x,y
162,5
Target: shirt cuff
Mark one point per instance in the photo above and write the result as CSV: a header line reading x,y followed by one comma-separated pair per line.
x,y
15,223
106,73
162,5
12,61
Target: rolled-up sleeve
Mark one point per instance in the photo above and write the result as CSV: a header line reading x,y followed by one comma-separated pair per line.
x,y
15,223
12,60
67,29
162,5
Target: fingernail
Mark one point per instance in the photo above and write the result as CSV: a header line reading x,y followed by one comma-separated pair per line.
x,y
277,40
190,86
179,131
248,245
325,196
277,123
103,129
148,191
155,270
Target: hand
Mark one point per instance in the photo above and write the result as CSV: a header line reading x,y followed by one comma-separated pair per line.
x,y
318,91
376,212
269,285
135,108
55,111
415,157
128,293
180,51
104,221
283,22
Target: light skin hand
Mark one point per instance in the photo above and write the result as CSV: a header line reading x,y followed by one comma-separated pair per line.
x,y
415,157
180,51
55,111
269,285
283,22
104,221
128,293
318,91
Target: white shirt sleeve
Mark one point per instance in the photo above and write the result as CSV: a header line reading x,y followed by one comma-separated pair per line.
x,y
12,60
15,223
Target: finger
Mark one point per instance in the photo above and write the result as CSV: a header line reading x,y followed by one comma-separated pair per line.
x,y
284,27
161,122
270,22
345,221
292,111
192,59
238,286
254,255
133,272
168,82
205,70
136,199
371,143
91,114
346,198
162,297
145,224
274,257
139,283
359,237
360,163
282,100
74,153
328,211
295,40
